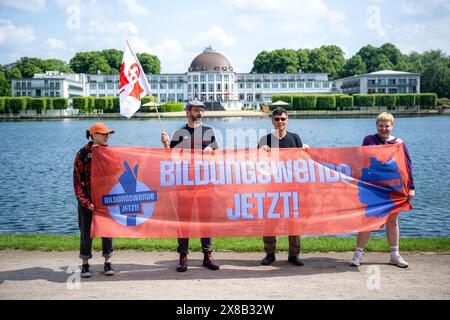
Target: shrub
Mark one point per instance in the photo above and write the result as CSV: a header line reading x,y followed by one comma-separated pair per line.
x,y
172,107
79,103
364,100
38,104
344,101
100,103
60,103
49,103
426,100
304,102
116,104
406,100
17,104
385,100
326,102
2,105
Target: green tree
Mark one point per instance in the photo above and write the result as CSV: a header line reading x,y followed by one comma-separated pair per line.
x,y
436,78
336,60
5,85
150,63
89,62
262,62
303,59
114,59
353,66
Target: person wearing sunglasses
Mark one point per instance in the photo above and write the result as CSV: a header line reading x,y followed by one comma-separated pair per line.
x,y
99,136
281,138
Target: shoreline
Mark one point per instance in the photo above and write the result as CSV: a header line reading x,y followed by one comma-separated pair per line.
x,y
230,114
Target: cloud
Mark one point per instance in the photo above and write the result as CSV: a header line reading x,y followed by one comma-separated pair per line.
x,y
134,7
14,36
248,23
252,5
27,5
214,36
53,44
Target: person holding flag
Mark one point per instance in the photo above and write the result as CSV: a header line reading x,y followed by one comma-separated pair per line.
x,y
194,135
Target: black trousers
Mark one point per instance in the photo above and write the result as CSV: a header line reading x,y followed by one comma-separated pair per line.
x,y
84,224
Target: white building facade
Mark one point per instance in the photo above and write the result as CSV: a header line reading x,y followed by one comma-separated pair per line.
x,y
385,81
210,78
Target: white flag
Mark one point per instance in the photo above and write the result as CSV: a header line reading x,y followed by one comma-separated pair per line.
x,y
133,83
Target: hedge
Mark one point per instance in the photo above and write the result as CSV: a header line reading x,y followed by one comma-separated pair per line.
x,y
426,100
406,100
288,98
60,103
326,102
16,104
2,105
344,101
385,100
100,103
172,107
364,100
304,101
38,104
80,103
49,103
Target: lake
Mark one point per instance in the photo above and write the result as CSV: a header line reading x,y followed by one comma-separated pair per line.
x,y
36,190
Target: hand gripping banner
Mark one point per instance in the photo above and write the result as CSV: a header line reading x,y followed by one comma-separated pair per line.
x,y
166,193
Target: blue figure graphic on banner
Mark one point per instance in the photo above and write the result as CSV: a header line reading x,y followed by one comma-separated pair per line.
x,y
375,186
130,202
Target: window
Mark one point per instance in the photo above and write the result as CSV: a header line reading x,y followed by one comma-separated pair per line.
x,y
283,85
110,86
219,87
274,85
249,97
154,86
249,85
57,93
93,86
300,85
219,77
291,85
241,86
202,77
195,78
203,87
316,85
171,97
180,86
162,85
163,98
101,86
180,97
266,85
241,97
325,85
309,84
171,85
210,87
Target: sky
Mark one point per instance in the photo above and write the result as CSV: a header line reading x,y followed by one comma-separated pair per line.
x,y
177,31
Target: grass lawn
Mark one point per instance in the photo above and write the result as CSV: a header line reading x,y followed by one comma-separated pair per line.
x,y
239,244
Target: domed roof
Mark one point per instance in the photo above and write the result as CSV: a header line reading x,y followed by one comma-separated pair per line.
x,y
210,60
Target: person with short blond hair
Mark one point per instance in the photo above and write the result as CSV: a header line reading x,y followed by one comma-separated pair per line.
x,y
385,125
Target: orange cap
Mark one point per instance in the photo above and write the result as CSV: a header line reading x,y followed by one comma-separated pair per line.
x,y
100,127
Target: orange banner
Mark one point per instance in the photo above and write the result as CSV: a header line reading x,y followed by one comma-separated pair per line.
x,y
165,193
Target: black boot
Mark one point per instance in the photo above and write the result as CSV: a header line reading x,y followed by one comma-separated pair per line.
x,y
268,259
295,260
209,262
182,265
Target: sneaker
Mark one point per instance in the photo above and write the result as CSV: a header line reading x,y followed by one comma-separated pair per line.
x,y
85,272
109,271
399,261
268,259
295,260
357,258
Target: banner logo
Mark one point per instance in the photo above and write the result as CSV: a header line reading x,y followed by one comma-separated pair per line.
x,y
130,202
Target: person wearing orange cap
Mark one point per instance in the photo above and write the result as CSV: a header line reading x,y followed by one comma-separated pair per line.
x,y
99,135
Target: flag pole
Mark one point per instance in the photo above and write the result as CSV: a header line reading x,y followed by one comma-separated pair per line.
x,y
147,84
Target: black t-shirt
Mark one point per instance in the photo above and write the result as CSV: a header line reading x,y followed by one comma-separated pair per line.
x,y
194,138
290,140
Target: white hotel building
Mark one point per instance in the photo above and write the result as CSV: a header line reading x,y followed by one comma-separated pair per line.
x,y
210,78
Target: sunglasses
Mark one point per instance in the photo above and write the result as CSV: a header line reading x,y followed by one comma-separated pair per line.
x,y
105,134
279,119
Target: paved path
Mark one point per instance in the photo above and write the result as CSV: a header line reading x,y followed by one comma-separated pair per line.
x,y
152,275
